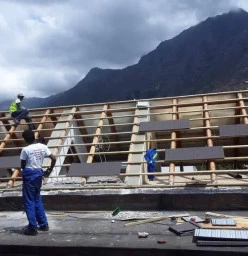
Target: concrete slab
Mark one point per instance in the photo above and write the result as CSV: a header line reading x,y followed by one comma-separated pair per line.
x,y
92,232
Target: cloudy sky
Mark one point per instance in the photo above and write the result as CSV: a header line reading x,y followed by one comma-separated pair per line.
x,y
47,46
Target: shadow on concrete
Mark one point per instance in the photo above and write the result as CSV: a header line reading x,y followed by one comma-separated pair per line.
x,y
15,230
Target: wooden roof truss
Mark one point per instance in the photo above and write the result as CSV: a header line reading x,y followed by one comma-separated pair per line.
x,y
108,132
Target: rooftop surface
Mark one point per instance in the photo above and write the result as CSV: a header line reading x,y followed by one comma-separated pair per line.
x,y
98,232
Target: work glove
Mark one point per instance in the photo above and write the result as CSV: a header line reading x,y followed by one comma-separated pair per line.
x,y
47,172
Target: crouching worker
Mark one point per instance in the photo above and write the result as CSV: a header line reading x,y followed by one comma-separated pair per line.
x,y
32,157
18,112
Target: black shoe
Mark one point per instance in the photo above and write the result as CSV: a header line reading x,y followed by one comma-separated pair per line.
x,y
31,127
8,186
44,228
29,232
16,121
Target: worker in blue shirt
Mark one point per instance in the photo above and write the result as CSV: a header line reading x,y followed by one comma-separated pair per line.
x,y
151,157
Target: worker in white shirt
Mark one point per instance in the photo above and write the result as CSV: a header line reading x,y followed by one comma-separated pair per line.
x,y
32,157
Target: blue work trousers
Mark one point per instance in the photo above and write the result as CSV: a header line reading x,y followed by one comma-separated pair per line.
x,y
21,114
32,181
151,168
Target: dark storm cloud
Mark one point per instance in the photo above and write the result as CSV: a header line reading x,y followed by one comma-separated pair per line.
x,y
47,46
209,8
111,36
37,2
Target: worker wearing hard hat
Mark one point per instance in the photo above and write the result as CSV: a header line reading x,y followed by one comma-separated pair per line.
x,y
19,112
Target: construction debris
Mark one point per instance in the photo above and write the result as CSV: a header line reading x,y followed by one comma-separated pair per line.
x,y
223,222
184,229
155,219
162,241
192,218
143,234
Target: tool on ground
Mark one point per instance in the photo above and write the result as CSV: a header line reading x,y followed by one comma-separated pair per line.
x,y
207,220
174,219
116,211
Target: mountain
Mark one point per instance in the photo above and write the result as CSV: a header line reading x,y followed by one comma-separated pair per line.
x,y
211,56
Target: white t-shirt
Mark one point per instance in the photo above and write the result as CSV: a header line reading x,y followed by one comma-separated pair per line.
x,y
34,155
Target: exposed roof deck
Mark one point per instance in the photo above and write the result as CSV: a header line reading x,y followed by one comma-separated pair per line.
x,y
108,132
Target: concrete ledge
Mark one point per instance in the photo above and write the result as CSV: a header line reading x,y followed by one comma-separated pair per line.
x,y
136,199
79,251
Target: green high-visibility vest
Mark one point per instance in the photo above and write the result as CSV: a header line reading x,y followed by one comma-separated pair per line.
x,y
155,155
13,107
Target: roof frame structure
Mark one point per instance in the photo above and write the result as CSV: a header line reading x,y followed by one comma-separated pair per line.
x,y
110,132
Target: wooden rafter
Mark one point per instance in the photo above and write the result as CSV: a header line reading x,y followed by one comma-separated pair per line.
x,y
173,144
211,164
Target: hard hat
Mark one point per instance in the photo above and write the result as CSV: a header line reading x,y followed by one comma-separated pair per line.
x,y
20,95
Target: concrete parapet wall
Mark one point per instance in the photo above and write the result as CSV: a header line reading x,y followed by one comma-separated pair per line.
x,y
136,199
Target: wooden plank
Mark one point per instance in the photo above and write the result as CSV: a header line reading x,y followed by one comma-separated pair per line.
x,y
155,219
